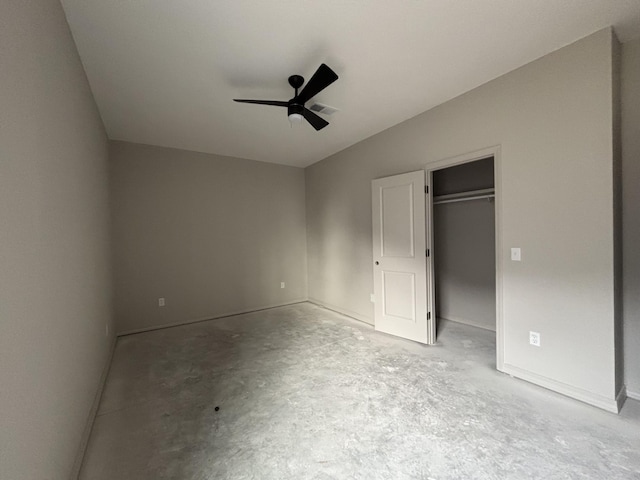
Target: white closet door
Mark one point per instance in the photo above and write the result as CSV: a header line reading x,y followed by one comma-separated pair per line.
x,y
399,256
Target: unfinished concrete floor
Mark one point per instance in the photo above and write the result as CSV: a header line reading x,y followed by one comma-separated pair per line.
x,y
305,393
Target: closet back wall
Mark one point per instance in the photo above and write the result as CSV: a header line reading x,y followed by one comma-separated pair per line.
x,y
212,235
465,263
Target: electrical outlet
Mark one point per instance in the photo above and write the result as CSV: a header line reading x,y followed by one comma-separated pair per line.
x,y
372,297
281,284
516,255
534,339
161,302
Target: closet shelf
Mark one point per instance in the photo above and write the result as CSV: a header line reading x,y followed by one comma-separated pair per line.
x,y
464,196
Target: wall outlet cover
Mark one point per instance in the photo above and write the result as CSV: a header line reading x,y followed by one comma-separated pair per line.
x,y
161,302
516,255
534,339
281,284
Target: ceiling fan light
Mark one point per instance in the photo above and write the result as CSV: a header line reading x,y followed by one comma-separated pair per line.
x,y
295,118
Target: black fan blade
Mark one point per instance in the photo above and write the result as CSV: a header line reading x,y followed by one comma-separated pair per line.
x,y
316,122
275,103
320,80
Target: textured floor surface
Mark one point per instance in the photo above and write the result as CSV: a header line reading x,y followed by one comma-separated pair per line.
x,y
304,393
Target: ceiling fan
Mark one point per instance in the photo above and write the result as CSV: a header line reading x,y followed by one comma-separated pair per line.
x,y
296,110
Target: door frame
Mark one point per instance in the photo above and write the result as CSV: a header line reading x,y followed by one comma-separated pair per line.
x,y
495,152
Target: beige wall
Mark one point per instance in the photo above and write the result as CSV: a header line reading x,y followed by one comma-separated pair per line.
x,y
212,235
630,93
55,286
553,121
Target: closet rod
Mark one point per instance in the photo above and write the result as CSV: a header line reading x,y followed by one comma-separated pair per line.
x,y
468,195
465,199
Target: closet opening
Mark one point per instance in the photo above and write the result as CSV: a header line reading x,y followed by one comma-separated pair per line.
x,y
463,238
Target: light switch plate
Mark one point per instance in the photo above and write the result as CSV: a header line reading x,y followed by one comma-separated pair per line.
x,y
515,254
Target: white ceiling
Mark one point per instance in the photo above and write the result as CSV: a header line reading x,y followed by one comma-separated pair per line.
x,y
164,72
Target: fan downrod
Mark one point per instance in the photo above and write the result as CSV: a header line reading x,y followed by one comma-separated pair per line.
x,y
296,82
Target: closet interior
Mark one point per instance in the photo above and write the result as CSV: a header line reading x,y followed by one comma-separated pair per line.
x,y
464,243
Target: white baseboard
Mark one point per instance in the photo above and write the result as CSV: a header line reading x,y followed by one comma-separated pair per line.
x,y
207,318
633,395
464,321
84,440
609,404
342,311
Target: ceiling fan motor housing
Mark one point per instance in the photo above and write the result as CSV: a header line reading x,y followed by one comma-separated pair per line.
x,y
294,108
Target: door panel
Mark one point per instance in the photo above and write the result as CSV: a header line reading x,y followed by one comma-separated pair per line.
x,y
397,221
399,247
399,295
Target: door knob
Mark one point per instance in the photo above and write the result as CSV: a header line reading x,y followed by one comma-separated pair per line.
x,y
377,263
